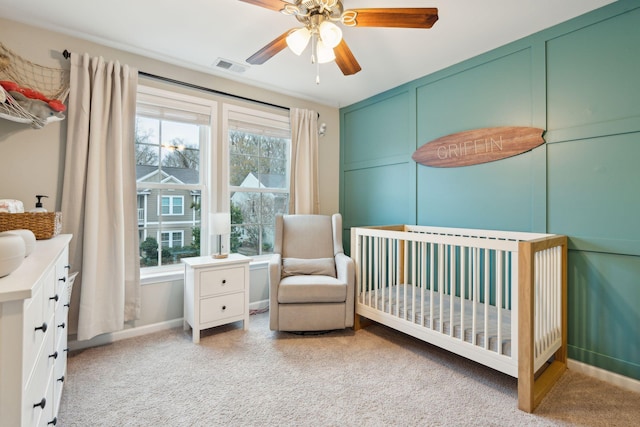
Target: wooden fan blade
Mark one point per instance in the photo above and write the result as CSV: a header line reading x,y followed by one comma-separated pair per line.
x,y
409,17
264,54
276,5
345,59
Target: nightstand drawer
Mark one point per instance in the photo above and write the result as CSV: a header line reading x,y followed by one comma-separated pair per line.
x,y
220,281
222,307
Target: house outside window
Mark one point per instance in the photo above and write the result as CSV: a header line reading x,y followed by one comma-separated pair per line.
x,y
173,140
258,146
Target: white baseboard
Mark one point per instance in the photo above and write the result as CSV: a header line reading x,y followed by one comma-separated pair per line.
x,y
124,334
604,375
142,330
259,305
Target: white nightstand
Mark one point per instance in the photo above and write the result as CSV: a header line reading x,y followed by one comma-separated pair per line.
x,y
216,292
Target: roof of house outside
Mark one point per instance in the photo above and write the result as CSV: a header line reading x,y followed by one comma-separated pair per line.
x,y
184,175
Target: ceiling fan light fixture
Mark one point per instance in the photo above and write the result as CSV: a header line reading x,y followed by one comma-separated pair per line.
x,y
298,40
330,34
324,53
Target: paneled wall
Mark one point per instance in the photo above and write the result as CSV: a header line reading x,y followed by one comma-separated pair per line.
x,y
580,82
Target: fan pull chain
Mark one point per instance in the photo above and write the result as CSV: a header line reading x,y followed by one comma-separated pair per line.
x,y
317,73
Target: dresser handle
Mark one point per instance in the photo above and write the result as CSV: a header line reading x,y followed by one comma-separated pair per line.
x,y
54,421
66,349
67,305
61,325
54,355
41,404
62,279
55,298
42,328
68,266
61,379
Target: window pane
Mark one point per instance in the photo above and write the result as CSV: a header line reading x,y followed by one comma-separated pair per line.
x,y
169,140
253,218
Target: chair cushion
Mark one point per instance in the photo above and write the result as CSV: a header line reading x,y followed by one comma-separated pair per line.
x,y
318,266
311,288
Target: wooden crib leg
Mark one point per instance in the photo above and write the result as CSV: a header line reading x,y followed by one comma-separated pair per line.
x,y
532,390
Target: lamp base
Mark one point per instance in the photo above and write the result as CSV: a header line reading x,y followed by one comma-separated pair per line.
x,y
220,256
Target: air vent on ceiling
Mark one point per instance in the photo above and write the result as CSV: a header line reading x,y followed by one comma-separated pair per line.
x,y
227,65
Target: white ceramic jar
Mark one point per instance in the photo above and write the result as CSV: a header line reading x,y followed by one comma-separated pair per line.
x,y
28,237
12,252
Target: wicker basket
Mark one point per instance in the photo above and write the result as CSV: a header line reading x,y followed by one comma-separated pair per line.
x,y
44,225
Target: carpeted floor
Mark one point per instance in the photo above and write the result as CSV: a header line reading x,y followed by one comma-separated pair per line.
x,y
372,377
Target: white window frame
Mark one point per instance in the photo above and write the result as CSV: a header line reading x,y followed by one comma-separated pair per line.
x,y
171,240
171,205
203,105
225,203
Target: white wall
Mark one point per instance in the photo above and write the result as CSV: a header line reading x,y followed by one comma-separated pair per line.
x,y
32,161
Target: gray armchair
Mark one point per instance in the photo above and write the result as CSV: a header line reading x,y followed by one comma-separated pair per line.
x,y
311,280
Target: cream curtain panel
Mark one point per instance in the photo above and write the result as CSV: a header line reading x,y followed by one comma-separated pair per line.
x,y
99,195
303,198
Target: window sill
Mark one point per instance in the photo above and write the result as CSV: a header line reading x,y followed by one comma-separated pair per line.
x,y
176,272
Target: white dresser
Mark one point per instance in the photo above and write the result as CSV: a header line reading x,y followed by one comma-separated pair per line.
x,y
216,292
34,304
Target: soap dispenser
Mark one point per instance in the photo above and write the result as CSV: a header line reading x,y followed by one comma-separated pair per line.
x,y
39,207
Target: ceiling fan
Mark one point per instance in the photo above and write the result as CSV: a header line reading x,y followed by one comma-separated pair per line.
x,y
318,18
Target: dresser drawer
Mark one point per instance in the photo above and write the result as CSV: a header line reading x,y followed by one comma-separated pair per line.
x,y
37,324
215,282
37,386
218,308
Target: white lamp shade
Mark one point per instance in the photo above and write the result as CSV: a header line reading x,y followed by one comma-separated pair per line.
x,y
298,40
325,53
220,223
330,34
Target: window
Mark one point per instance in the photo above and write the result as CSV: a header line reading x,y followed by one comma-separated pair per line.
x,y
258,149
172,205
172,143
172,239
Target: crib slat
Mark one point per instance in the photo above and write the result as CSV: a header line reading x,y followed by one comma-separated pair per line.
x,y
452,284
463,288
487,293
476,286
499,290
423,279
431,284
441,269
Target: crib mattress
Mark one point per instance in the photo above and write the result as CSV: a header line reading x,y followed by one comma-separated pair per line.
x,y
392,302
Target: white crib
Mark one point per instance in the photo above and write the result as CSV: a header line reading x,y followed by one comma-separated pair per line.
x,y
495,297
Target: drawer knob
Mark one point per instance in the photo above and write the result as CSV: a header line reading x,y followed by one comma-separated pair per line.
x,y
42,328
53,422
67,305
41,404
54,355
68,267
55,297
62,325
61,379
62,279
224,281
224,307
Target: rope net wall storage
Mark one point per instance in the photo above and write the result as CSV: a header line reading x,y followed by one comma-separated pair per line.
x,y
31,93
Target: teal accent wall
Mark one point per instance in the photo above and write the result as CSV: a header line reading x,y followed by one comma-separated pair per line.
x,y
580,81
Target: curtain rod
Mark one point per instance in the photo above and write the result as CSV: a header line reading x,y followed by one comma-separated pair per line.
x,y
67,55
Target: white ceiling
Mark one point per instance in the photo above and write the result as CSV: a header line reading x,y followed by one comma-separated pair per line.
x,y
194,33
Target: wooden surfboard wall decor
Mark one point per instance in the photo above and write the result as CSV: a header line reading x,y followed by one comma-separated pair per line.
x,y
477,146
